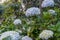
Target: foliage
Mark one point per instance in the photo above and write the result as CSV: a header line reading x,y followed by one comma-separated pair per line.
x,y
31,26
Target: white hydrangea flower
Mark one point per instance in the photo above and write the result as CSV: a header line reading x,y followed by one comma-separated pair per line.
x,y
14,35
52,12
2,1
26,38
32,11
45,34
17,21
48,3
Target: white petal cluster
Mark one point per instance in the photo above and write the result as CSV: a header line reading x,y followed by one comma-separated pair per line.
x,y
45,34
48,3
17,21
14,35
26,38
32,11
52,12
2,1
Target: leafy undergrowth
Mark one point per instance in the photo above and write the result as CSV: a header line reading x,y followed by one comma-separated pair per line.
x,y
31,26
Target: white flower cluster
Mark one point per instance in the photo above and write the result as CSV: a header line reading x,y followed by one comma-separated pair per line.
x,y
32,11
2,1
14,35
45,34
52,12
17,21
48,3
26,38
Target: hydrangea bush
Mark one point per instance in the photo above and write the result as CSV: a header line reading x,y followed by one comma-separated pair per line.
x,y
29,25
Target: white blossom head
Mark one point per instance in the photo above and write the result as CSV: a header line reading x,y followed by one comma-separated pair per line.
x,y
45,34
2,1
32,11
13,34
52,12
26,38
47,3
17,21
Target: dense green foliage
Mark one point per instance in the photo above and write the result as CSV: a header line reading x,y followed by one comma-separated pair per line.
x,y
37,23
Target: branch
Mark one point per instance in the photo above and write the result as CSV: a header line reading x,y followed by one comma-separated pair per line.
x,y
40,2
